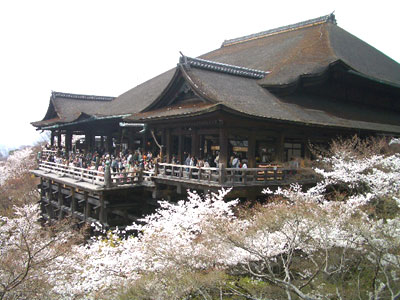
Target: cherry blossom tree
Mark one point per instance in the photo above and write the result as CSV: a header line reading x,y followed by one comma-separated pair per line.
x,y
339,239
27,251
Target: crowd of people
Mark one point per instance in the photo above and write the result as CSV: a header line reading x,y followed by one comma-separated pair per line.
x,y
129,161
123,162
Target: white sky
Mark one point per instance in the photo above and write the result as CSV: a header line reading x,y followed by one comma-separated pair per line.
x,y
107,47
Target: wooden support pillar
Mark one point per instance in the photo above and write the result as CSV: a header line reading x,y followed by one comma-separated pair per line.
x,y
201,146
48,191
50,210
180,148
60,201
195,143
307,152
223,146
102,142
109,144
87,205
59,139
73,202
168,145
52,136
68,141
145,138
251,149
88,141
280,151
103,210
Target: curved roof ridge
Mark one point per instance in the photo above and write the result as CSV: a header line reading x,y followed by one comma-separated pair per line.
x,y
222,68
80,96
316,21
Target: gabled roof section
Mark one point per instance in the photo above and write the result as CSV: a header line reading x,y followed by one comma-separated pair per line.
x,y
324,19
67,107
178,89
181,91
244,96
304,49
139,97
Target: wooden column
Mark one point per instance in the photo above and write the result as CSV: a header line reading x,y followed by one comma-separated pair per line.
x,y
60,201
144,141
251,149
59,139
201,146
307,152
73,201
42,195
68,141
102,142
280,147
223,146
52,135
87,205
195,143
109,144
168,145
180,148
88,141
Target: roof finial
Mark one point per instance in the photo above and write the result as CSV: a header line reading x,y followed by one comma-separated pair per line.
x,y
184,61
332,18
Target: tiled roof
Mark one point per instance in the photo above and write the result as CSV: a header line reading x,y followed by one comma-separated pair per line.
x,y
316,21
222,68
80,96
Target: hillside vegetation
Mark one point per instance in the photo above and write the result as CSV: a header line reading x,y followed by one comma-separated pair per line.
x,y
337,240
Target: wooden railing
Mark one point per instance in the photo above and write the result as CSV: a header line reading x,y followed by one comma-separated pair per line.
x,y
231,176
188,172
137,176
87,175
97,177
195,175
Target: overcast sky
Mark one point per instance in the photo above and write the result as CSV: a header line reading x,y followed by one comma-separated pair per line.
x,y
108,47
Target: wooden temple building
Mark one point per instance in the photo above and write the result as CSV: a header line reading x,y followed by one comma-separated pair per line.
x,y
264,97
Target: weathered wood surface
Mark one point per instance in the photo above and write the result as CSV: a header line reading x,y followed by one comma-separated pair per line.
x,y
223,177
228,177
97,178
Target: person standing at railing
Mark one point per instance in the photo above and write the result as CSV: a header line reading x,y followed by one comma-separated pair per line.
x,y
187,160
235,162
244,164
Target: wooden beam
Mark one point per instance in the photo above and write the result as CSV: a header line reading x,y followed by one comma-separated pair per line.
x,y
59,139
223,146
87,205
52,138
251,149
280,147
195,143
168,145
60,201
180,148
68,141
73,201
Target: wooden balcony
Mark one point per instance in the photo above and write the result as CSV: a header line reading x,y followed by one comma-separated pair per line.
x,y
175,174
233,177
